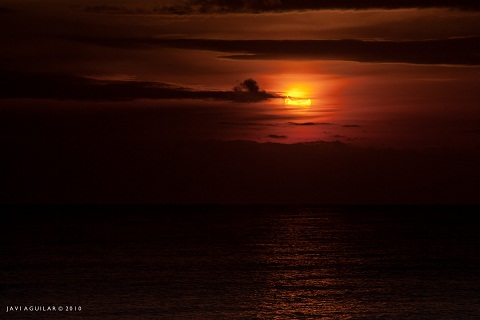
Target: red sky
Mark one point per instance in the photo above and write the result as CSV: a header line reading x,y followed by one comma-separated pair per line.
x,y
395,96
401,76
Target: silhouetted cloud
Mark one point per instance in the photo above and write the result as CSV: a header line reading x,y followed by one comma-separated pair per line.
x,y
275,136
225,6
115,9
351,126
285,124
192,7
309,123
251,124
249,91
248,85
259,6
64,86
456,51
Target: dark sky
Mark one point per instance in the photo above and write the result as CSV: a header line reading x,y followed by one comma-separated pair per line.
x,y
184,101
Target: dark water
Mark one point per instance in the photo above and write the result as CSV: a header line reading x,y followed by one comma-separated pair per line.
x,y
241,262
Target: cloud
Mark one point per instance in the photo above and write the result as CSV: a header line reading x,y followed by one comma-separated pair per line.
x,y
250,124
192,7
249,91
72,87
285,124
308,123
223,6
248,85
275,136
77,154
39,169
116,9
252,6
454,51
261,6
464,51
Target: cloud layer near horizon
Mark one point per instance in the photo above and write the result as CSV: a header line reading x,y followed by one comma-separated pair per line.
x,y
71,87
109,165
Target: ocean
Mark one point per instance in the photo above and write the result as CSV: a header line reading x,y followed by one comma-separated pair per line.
x,y
240,262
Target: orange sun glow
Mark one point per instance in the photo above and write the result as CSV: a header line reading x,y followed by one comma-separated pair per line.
x,y
297,102
298,95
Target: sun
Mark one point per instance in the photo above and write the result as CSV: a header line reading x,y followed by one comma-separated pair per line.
x,y
298,95
290,101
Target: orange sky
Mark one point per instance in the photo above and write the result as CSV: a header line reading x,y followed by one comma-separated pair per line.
x,y
105,101
395,103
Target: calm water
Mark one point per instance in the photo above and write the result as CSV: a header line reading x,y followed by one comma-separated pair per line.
x,y
242,262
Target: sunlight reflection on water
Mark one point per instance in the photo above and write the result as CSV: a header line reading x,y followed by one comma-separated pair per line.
x,y
248,263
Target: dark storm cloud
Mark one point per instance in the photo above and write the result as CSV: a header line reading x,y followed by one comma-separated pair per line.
x,y
228,6
71,87
455,51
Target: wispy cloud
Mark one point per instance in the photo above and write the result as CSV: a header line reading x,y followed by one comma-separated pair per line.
x,y
276,136
121,9
309,123
465,51
455,51
260,6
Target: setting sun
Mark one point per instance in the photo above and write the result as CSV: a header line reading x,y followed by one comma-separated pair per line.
x,y
298,95
297,101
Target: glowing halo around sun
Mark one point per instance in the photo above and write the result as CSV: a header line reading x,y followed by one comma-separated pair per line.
x,y
298,95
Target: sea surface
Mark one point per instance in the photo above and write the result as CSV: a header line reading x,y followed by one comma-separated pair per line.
x,y
240,262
